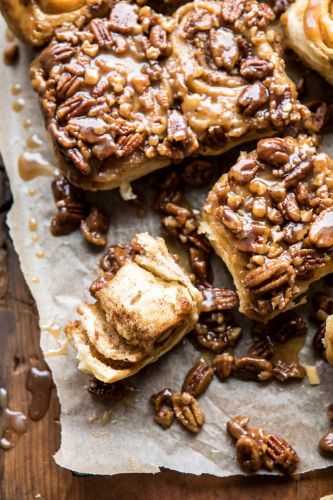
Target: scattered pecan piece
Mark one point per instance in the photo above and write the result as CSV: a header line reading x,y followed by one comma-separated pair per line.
x,y
187,411
255,448
326,444
218,299
198,379
223,366
71,206
231,10
95,227
110,263
177,126
322,306
244,170
262,348
285,371
101,390
258,369
199,261
215,332
164,414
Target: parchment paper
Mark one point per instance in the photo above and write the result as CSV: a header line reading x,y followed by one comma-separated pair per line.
x,y
130,441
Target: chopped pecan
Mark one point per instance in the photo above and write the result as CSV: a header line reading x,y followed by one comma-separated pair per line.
x,y
255,68
249,368
224,48
199,261
100,30
252,98
79,161
95,227
159,39
101,390
187,411
259,18
286,327
321,230
123,18
290,209
215,332
177,126
262,348
231,10
218,299
223,366
198,379
197,173
285,371
306,260
280,104
164,414
275,151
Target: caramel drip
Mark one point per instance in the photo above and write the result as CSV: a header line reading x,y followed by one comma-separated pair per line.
x,y
39,383
32,224
60,6
16,89
31,165
12,423
61,351
18,105
289,352
34,141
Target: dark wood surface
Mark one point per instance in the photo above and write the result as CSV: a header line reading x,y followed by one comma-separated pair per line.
x,y
28,471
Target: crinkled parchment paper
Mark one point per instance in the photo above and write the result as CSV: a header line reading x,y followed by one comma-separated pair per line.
x,y
130,441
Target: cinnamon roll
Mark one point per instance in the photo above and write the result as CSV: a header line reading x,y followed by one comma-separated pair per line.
x,y
271,221
308,25
35,21
145,304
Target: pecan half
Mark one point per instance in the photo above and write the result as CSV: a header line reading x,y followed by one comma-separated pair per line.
x,y
231,10
321,230
279,453
249,453
95,227
255,68
249,368
198,379
215,332
223,366
224,48
326,444
252,98
286,327
285,371
275,151
318,341
218,299
164,414
262,348
187,411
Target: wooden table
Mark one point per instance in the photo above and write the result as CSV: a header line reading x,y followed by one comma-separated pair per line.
x,y
28,470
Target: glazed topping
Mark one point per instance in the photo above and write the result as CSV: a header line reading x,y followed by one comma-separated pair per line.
x,y
277,203
144,84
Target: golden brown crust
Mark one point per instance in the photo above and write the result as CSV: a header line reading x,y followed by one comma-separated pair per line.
x,y
269,219
34,21
308,26
143,311
136,91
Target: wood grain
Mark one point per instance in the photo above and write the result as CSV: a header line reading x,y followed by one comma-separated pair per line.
x,y
28,471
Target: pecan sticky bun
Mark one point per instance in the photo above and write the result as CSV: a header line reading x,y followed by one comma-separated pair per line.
x,y
270,220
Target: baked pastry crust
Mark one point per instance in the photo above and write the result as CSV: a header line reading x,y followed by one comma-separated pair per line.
x,y
308,26
136,91
34,21
271,220
140,314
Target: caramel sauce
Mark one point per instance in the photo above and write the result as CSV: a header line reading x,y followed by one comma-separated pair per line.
x,y
35,281
31,165
40,254
34,141
12,423
35,237
32,224
39,383
18,105
16,89
107,417
9,35
289,352
60,6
